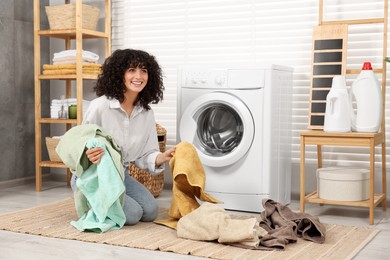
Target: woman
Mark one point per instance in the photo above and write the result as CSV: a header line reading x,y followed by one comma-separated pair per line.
x,y
129,82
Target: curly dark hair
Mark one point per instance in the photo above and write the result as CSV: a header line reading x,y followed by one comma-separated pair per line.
x,y
110,81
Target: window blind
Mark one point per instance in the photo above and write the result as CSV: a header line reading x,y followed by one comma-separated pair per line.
x,y
181,32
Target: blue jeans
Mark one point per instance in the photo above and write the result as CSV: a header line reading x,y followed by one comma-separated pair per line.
x,y
139,203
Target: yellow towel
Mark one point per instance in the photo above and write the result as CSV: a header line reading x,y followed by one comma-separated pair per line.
x,y
69,71
71,66
189,181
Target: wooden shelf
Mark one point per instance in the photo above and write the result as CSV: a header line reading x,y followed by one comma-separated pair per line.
x,y
320,137
67,77
357,21
313,198
71,37
71,34
57,121
52,164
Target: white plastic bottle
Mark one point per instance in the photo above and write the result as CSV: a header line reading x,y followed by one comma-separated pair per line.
x,y
338,107
366,91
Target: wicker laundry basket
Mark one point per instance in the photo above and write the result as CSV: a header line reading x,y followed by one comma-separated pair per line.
x,y
64,16
154,183
51,144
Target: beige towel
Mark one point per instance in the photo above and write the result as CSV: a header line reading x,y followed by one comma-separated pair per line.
x,y
69,71
189,181
211,222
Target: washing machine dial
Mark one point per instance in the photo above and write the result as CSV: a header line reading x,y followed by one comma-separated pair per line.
x,y
219,80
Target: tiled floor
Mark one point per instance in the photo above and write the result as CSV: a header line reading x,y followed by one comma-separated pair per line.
x,y
20,246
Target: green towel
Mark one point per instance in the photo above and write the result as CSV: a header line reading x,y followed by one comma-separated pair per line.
x,y
71,150
102,185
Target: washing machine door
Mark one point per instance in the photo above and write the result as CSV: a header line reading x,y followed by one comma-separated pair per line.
x,y
220,126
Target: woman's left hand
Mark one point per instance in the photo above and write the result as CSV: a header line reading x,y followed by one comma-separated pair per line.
x,y
165,156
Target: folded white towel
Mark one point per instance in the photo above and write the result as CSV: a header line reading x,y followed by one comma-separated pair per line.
x,y
72,60
72,53
66,102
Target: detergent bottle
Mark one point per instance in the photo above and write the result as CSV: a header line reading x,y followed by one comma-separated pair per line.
x,y
338,108
366,92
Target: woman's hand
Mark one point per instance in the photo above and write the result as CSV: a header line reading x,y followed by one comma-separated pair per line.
x,y
95,154
165,156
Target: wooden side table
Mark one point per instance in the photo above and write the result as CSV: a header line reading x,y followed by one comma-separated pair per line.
x,y
371,140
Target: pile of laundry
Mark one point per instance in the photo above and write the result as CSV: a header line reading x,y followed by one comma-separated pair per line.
x,y
64,62
62,104
275,228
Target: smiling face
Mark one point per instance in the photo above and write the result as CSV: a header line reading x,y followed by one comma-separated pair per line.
x,y
135,79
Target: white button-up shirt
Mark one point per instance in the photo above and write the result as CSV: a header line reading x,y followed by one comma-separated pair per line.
x,y
136,134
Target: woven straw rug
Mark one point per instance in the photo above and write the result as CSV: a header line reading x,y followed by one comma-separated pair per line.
x,y
52,220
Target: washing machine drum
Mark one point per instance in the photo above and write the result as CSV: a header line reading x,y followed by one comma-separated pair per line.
x,y
220,126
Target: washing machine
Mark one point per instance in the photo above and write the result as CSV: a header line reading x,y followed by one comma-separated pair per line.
x,y
239,120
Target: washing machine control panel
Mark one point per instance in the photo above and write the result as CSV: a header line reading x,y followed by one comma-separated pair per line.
x,y
206,79
223,78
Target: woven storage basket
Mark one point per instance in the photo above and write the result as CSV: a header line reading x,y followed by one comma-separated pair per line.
x,y
64,16
154,183
51,144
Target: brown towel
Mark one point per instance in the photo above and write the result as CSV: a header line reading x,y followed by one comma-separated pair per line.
x,y
189,181
284,225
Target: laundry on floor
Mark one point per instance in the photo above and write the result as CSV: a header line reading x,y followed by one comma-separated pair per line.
x,y
69,57
189,181
276,226
275,229
284,225
65,69
211,222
